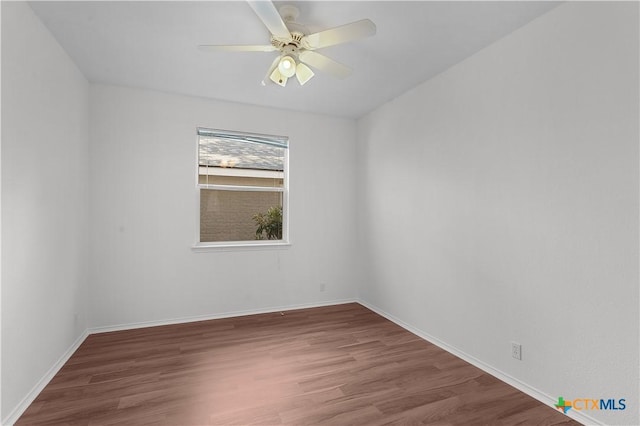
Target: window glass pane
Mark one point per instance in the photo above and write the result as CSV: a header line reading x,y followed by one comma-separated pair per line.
x,y
231,167
237,215
224,161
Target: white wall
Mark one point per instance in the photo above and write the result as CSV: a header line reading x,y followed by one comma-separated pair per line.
x,y
44,202
144,211
500,202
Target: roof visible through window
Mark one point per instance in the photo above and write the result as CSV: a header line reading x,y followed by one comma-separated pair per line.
x,y
220,152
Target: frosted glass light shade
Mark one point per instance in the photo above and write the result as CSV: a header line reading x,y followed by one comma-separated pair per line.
x,y
303,73
278,78
287,66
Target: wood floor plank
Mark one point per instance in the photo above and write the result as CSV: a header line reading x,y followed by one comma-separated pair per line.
x,y
335,365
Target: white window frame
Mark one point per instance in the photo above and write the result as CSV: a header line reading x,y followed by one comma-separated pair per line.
x,y
250,244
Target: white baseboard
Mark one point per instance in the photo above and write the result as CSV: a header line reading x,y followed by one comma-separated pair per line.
x,y
15,414
181,320
521,386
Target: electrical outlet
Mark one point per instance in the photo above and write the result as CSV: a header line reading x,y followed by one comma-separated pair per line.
x,y
322,287
516,350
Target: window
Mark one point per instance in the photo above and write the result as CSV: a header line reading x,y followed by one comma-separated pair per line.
x,y
243,188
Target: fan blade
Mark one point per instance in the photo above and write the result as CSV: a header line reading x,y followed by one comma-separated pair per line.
x,y
269,15
342,34
324,63
271,68
236,48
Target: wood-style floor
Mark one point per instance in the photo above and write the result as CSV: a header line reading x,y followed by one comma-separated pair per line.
x,y
341,365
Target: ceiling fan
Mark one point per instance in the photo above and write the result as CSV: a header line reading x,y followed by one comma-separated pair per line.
x,y
295,46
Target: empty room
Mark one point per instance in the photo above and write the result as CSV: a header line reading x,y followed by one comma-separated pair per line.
x,y
320,212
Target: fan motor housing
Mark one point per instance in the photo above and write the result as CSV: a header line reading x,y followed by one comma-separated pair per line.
x,y
296,40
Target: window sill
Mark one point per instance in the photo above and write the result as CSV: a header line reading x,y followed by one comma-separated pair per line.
x,y
240,246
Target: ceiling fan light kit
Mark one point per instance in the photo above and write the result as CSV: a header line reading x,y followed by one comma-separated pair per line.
x,y
287,68
296,47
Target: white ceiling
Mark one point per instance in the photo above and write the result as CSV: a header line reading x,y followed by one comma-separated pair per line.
x,y
152,44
